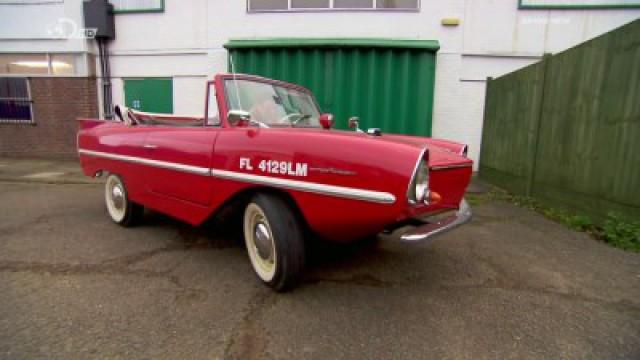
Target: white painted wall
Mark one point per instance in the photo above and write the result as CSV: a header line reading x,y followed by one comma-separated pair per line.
x,y
498,27
499,38
188,95
33,27
185,42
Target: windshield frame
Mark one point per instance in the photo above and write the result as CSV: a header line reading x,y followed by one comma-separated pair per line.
x,y
224,110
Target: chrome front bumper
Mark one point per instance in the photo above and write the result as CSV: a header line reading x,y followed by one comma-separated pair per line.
x,y
429,230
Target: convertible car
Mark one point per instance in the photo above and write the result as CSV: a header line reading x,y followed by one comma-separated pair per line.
x,y
265,152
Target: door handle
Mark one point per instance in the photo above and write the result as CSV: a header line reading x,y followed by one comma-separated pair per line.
x,y
150,146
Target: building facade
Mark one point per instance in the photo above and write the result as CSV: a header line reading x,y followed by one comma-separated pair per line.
x,y
165,50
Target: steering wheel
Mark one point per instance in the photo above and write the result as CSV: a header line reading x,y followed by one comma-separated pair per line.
x,y
257,123
300,116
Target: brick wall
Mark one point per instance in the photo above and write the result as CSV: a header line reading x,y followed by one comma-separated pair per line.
x,y
57,103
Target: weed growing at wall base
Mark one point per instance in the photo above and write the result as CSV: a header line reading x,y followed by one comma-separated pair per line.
x,y
621,233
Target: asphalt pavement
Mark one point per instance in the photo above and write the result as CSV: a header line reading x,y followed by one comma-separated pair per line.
x,y
510,284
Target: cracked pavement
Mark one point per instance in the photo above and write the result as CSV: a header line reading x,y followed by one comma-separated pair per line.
x,y
510,284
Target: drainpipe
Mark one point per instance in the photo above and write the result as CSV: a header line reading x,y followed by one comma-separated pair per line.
x,y
105,70
98,18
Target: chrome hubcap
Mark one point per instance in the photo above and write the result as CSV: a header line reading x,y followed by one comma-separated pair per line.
x,y
263,241
260,242
117,196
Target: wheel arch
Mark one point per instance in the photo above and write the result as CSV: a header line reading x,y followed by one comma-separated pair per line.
x,y
233,207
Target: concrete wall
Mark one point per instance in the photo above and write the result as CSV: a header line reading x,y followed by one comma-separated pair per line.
x,y
185,42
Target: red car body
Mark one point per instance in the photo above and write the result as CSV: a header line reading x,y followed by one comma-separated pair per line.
x,y
289,179
356,184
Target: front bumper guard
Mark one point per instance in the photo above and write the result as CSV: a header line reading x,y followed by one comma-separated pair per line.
x,y
430,230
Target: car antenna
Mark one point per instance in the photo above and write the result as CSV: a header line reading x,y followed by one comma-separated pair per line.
x,y
235,81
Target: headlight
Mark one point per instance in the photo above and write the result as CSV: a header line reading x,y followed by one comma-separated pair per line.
x,y
419,187
422,184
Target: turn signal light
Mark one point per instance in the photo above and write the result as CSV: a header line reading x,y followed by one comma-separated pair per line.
x,y
434,198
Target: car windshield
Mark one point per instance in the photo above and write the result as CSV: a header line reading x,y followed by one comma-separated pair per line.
x,y
272,105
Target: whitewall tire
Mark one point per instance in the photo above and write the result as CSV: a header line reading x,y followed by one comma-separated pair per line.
x,y
120,208
274,240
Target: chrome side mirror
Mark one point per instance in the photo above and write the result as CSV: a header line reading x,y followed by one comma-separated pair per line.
x,y
354,122
238,117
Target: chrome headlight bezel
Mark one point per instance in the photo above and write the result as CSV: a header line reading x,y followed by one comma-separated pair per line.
x,y
418,191
464,151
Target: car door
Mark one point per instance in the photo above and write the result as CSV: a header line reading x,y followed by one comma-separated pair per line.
x,y
183,158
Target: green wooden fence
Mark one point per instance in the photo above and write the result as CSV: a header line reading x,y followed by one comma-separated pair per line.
x,y
566,130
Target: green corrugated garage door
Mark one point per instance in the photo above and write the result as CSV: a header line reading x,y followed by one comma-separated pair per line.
x,y
387,83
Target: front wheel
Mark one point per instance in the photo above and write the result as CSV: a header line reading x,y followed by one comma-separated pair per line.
x,y
274,240
121,209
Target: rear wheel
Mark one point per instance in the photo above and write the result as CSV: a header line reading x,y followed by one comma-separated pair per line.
x,y
274,239
122,211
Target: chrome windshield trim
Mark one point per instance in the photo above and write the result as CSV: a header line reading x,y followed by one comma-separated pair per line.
x,y
317,188
305,186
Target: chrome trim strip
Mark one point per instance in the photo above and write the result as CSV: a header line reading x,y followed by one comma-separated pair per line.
x,y
332,190
424,232
316,188
457,166
157,163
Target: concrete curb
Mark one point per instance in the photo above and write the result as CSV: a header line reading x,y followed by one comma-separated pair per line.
x,y
21,180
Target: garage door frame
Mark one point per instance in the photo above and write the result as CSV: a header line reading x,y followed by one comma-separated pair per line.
x,y
388,83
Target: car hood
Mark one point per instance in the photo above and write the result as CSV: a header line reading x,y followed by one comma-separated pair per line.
x,y
441,152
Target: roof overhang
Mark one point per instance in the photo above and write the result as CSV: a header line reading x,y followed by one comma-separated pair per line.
x,y
429,45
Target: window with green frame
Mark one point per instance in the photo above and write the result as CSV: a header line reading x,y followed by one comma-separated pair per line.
x,y
137,6
578,4
332,5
